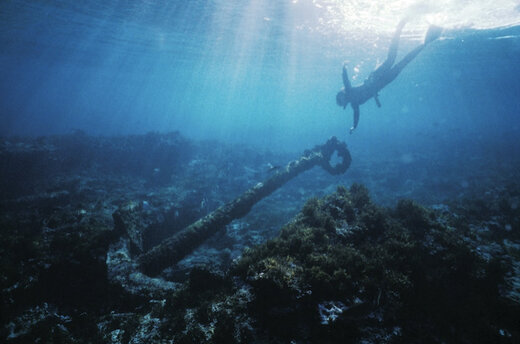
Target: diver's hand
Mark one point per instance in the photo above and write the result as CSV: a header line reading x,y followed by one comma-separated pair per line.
x,y
352,130
376,97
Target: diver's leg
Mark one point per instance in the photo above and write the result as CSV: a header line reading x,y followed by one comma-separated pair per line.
x,y
409,57
433,33
394,72
394,44
392,50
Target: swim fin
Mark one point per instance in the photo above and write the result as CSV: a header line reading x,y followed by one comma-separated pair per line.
x,y
432,34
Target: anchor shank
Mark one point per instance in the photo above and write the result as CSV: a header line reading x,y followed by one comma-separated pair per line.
x,y
176,247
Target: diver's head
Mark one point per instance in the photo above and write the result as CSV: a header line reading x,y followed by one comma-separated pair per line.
x,y
342,98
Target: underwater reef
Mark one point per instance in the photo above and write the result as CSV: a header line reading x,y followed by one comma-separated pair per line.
x,y
338,268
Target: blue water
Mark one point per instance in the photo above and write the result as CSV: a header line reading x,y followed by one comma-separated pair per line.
x,y
256,72
240,87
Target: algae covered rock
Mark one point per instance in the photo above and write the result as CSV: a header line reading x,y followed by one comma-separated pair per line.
x,y
346,268
347,271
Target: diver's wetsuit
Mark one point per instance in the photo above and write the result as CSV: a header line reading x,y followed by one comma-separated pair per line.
x,y
383,75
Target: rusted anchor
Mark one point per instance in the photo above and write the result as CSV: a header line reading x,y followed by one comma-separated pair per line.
x,y
176,247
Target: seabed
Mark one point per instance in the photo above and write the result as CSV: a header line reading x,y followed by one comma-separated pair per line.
x,y
315,262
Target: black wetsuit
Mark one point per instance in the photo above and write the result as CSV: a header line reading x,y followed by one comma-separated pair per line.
x,y
380,77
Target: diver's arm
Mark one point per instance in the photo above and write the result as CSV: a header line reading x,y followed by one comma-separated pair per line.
x,y
376,98
356,117
346,81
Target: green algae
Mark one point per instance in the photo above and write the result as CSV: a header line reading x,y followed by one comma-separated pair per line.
x,y
408,274
401,264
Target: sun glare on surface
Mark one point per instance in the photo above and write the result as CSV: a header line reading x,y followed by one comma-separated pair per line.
x,y
380,17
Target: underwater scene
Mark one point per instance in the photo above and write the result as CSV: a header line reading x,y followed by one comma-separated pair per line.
x,y
256,171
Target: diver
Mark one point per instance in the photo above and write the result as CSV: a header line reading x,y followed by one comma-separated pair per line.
x,y
382,75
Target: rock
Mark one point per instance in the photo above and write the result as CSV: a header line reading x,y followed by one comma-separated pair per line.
x,y
129,219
